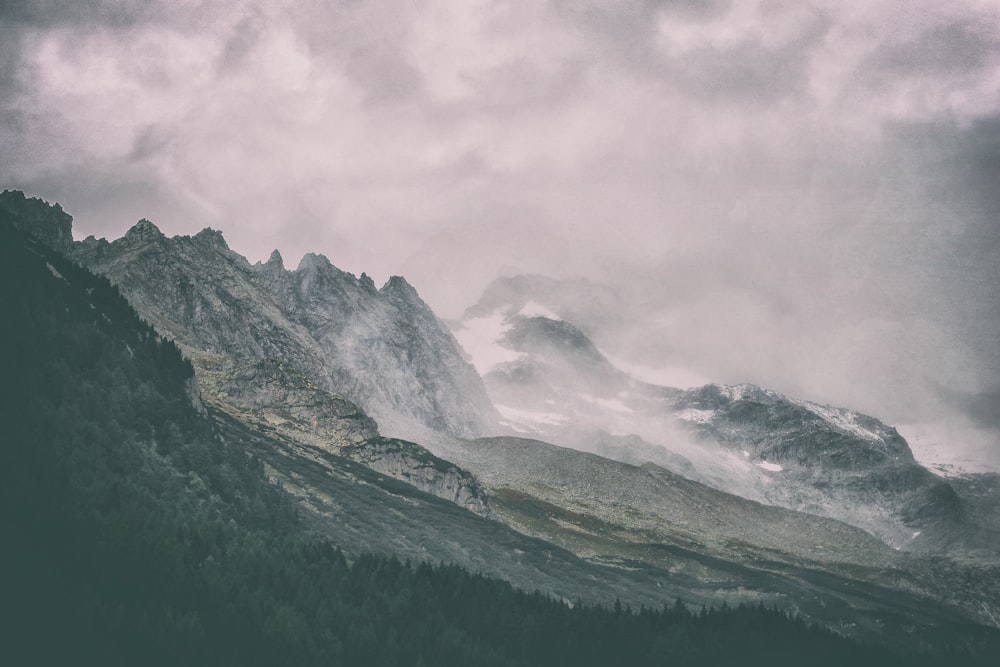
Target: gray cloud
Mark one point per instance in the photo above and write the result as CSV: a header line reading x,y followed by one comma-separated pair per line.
x,y
797,194
49,13
950,48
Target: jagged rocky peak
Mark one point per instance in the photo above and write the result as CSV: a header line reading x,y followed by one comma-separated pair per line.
x,y
316,272
317,280
273,271
46,222
312,261
211,237
382,349
747,403
397,285
143,231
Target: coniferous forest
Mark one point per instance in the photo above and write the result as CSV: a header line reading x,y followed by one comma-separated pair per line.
x,y
135,532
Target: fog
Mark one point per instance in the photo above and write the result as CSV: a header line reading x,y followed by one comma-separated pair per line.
x,y
803,195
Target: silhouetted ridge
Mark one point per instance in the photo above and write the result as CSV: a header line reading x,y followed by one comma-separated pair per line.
x,y
36,217
144,231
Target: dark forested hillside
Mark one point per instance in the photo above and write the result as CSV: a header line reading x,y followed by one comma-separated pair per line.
x,y
135,533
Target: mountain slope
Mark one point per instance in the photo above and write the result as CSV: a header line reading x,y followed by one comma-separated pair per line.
x,y
253,367
271,345
838,463
384,348
140,528
638,517
551,382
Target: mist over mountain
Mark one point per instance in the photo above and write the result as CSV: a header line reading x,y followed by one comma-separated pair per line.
x,y
799,196
145,527
500,333
683,348
718,494
382,347
549,381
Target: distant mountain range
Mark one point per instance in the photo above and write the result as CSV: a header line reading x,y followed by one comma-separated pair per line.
x,y
587,482
550,382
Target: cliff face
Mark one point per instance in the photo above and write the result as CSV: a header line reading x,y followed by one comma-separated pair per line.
x,y
49,224
284,399
415,465
384,349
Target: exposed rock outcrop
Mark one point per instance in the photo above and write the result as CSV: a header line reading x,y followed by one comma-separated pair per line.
x,y
384,349
47,223
417,466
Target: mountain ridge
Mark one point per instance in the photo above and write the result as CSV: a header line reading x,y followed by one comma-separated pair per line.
x,y
240,322
228,315
551,382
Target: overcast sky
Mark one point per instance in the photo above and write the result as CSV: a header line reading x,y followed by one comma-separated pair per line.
x,y
805,195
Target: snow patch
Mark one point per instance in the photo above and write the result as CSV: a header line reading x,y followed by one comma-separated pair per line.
x,y
773,467
845,420
480,338
697,416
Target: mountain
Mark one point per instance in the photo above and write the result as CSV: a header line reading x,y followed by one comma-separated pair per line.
x,y
143,527
291,363
839,463
550,382
382,347
591,305
283,348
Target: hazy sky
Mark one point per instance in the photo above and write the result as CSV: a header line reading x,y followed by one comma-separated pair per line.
x,y
802,195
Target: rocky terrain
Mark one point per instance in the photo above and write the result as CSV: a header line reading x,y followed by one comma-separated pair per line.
x,y
281,349
710,494
382,347
550,382
839,463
